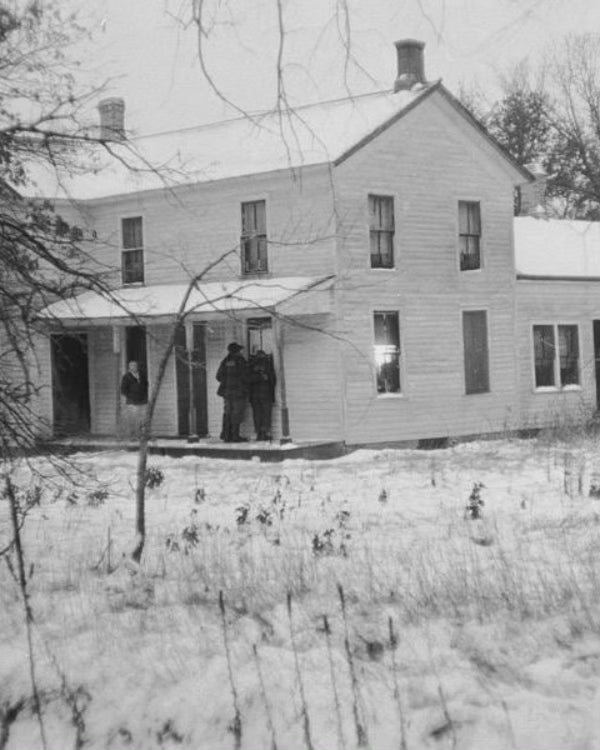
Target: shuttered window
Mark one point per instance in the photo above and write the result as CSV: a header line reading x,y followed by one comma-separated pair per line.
x,y
132,253
381,231
556,366
477,371
469,229
387,351
253,241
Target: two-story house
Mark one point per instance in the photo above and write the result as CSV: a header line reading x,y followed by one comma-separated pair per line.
x,y
366,243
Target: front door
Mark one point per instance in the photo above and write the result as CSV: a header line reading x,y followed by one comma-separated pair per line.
x,y
70,384
597,360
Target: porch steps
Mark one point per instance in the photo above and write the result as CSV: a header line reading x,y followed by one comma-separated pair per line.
x,y
174,447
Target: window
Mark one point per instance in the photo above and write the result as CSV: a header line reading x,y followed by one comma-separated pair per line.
x,y
555,366
260,335
469,229
253,241
387,352
381,231
477,370
132,255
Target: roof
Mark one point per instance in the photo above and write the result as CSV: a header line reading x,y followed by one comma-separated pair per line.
x,y
311,134
557,248
207,299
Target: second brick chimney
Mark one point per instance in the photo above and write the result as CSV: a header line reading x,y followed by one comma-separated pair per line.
x,y
411,66
112,119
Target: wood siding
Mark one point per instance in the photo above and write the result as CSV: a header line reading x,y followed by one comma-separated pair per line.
x,y
428,161
196,225
566,302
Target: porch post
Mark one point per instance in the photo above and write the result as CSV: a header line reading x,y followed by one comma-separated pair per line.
x,y
116,333
285,415
189,346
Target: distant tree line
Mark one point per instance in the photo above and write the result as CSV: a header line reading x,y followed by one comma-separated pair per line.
x,y
549,114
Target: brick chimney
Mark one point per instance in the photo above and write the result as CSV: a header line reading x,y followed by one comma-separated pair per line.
x,y
533,194
112,119
411,66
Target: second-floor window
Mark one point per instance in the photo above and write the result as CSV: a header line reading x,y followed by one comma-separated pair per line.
x,y
132,253
469,231
381,231
253,241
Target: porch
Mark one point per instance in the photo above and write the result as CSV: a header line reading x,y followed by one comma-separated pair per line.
x,y
95,337
267,452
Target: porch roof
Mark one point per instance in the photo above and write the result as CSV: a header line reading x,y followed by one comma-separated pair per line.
x,y
294,295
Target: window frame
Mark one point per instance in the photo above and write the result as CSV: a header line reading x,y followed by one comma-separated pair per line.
x,y
401,393
485,310
382,195
129,250
245,237
557,387
459,234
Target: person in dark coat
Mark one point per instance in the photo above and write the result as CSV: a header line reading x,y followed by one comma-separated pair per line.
x,y
233,388
134,387
262,393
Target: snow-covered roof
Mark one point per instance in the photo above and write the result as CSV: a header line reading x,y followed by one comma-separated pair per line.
x,y
557,248
164,300
311,134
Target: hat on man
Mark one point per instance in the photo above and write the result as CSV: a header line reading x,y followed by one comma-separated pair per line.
x,y
234,347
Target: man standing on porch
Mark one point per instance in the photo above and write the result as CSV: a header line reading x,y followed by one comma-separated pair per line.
x,y
233,388
134,387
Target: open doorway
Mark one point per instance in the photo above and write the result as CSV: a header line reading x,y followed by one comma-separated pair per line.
x,y
70,384
135,348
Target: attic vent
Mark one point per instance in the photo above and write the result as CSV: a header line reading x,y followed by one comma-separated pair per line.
x,y
112,119
411,66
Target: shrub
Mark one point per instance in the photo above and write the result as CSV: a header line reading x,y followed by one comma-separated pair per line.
x,y
154,477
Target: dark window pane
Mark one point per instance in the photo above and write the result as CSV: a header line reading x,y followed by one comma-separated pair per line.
x,y
381,231
469,228
544,352
568,348
133,266
387,352
132,233
254,237
477,378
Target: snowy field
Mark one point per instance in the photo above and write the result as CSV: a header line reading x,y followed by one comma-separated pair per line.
x,y
455,633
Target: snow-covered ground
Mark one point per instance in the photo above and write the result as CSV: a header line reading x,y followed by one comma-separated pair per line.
x,y
497,620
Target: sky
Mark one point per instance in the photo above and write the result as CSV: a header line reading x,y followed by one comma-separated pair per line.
x,y
148,49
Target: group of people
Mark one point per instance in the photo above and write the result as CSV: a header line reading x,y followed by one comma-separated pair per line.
x,y
241,381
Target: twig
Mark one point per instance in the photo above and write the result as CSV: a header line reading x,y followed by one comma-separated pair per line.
x,y
393,646
336,698
306,720
236,726
22,581
361,732
263,692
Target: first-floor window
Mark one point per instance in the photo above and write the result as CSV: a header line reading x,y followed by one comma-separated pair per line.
x,y
556,355
477,368
387,351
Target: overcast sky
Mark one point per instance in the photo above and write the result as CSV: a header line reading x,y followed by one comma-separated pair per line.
x,y
152,59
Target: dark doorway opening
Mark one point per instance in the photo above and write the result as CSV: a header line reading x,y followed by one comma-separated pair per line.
x,y
70,384
597,360
135,348
191,382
